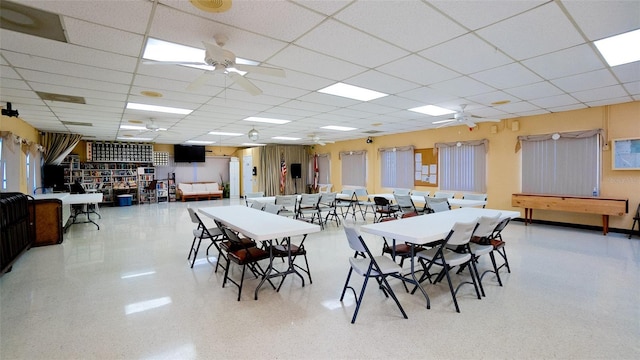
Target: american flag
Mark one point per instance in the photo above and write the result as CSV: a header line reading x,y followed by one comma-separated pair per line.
x,y
283,175
316,172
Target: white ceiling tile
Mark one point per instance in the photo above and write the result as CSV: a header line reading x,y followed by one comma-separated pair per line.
x,y
314,63
600,19
518,107
533,33
14,84
342,42
478,14
585,81
507,76
487,98
619,100
418,70
456,55
627,72
575,60
323,6
74,54
604,93
554,101
94,36
534,91
633,87
7,72
567,107
462,87
375,80
413,23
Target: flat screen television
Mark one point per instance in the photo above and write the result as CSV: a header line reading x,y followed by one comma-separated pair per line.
x,y
188,153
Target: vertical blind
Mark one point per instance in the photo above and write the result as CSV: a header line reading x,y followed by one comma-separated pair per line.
x,y
463,168
354,168
397,168
564,166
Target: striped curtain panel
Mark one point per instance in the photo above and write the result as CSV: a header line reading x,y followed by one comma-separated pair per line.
x,y
57,146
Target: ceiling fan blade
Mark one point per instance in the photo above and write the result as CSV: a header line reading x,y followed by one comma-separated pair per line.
x,y
321,143
264,70
214,50
470,123
199,81
245,84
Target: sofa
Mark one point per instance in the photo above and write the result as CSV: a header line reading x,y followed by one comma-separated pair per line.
x,y
199,190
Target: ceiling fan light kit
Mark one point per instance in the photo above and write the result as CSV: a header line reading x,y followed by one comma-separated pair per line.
x,y
253,135
213,6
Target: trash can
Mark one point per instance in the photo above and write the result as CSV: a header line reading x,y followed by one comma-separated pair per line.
x,y
125,200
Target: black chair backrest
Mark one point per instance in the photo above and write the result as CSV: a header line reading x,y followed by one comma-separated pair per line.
x,y
77,188
380,201
501,225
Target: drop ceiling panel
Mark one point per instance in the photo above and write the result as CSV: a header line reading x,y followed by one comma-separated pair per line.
x,y
14,84
478,14
86,93
63,68
314,63
457,53
585,81
263,17
325,7
609,101
342,42
628,72
575,60
554,101
507,76
413,23
534,91
606,93
101,37
633,87
116,14
533,33
37,78
378,81
418,70
462,87
488,98
600,19
56,50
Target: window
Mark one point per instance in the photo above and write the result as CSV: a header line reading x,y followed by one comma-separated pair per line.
x,y
463,166
568,165
354,168
397,168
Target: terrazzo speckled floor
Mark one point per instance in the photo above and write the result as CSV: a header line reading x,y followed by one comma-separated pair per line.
x,y
126,292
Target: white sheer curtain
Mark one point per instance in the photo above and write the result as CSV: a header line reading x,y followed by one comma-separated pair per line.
x,y
397,167
567,166
354,168
463,166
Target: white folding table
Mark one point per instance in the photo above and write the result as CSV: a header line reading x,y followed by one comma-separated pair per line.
x,y
67,199
425,229
265,227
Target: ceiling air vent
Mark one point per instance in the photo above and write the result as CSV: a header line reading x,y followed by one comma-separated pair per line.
x,y
60,97
76,123
27,20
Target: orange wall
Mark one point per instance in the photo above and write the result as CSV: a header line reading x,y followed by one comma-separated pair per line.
x,y
503,179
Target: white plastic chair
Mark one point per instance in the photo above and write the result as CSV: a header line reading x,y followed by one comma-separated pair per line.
x,y
378,267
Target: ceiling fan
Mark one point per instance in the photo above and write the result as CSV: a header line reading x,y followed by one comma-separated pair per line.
x,y
462,118
224,62
144,127
317,140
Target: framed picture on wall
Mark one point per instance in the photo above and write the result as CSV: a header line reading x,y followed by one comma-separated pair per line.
x,y
626,154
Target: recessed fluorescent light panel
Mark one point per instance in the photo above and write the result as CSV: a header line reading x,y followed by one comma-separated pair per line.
x,y
266,120
200,142
620,49
164,109
285,138
134,138
442,121
164,51
338,128
432,110
224,133
352,92
132,127
252,144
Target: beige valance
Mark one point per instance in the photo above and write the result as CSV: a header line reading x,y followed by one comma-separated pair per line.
x,y
352,152
397,148
484,142
558,135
